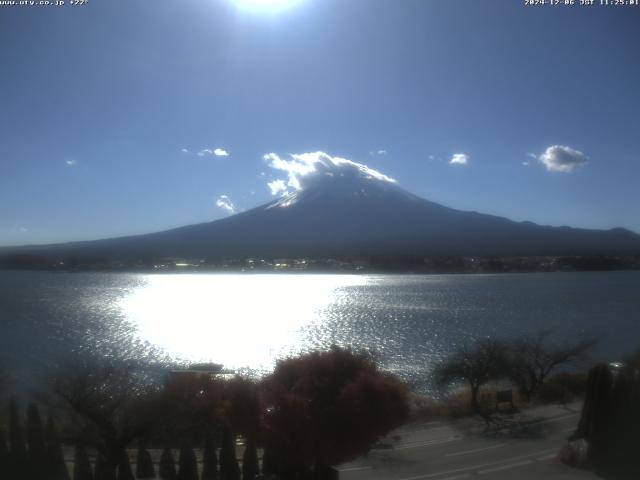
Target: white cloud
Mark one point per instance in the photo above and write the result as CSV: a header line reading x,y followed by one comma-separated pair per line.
x,y
184,150
225,203
379,153
277,186
70,163
560,158
306,168
459,159
218,152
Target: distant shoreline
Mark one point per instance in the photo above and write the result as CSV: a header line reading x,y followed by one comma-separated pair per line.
x,y
405,265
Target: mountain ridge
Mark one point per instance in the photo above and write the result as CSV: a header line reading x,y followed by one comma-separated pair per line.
x,y
350,215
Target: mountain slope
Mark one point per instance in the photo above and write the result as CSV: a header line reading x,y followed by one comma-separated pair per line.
x,y
353,215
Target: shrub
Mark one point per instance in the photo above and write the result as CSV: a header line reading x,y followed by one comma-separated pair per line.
x,y
325,408
564,387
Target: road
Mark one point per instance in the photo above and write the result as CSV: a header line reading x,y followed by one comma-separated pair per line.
x,y
522,446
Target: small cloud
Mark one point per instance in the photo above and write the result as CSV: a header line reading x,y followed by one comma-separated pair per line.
x,y
184,150
218,152
70,163
225,203
525,163
277,186
379,153
560,158
432,157
23,229
532,155
459,159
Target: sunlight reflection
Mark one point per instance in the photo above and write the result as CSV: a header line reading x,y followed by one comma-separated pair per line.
x,y
234,319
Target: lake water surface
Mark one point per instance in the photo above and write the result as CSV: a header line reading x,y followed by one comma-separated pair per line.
x,y
247,321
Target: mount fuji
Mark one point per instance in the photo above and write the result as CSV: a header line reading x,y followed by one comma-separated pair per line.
x,y
336,207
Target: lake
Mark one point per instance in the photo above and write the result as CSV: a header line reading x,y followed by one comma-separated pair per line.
x,y
247,321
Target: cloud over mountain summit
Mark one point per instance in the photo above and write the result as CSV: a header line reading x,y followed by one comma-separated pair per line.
x,y
306,169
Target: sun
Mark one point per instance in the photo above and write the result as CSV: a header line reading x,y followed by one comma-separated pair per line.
x,y
265,5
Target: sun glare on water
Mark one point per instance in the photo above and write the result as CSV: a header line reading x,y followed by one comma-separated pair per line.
x,y
236,320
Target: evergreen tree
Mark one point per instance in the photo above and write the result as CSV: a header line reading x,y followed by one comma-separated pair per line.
x,y
4,456
269,467
188,464
55,457
209,461
37,453
104,470
167,466
229,469
144,465
81,465
124,467
17,449
250,467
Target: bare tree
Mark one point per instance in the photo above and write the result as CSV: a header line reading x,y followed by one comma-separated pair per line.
x,y
475,364
532,358
103,399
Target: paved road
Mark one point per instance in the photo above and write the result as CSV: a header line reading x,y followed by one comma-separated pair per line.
x,y
522,447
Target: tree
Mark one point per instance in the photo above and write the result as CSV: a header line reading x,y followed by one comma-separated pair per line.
x,y
325,408
4,456
209,460
104,397
81,464
531,359
18,462
104,470
475,365
36,441
167,467
250,466
57,466
229,469
241,407
188,464
189,405
124,468
144,465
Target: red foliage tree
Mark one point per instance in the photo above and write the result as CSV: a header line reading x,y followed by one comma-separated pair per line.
x,y
325,408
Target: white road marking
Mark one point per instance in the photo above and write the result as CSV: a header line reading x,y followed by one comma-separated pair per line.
x,y
473,468
475,450
505,467
556,419
547,457
457,477
428,443
354,469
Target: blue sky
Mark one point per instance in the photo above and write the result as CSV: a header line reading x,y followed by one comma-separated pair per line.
x,y
538,107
